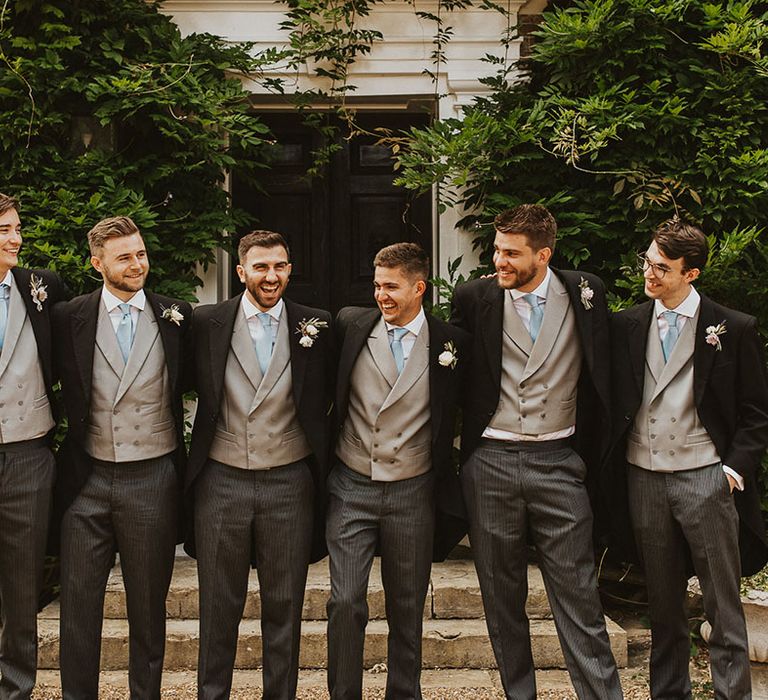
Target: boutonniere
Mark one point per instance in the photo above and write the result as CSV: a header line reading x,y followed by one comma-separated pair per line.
x,y
309,329
586,294
714,333
449,357
39,293
173,314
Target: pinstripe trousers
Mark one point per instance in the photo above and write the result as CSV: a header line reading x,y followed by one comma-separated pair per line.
x,y
516,487
131,507
242,514
677,515
26,480
398,518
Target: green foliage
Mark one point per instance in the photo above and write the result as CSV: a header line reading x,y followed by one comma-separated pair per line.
x,y
632,111
106,109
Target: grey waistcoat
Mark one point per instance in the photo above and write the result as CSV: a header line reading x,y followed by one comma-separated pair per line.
x,y
25,413
538,380
667,434
257,426
130,416
387,433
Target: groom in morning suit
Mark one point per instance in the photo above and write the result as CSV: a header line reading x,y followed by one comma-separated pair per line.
x,y
26,463
264,369
692,400
119,485
400,375
537,403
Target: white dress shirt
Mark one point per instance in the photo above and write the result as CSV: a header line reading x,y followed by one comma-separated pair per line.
x,y
409,339
687,310
254,322
136,302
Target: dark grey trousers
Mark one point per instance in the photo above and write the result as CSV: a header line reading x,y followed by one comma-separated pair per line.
x,y
672,513
510,488
131,507
26,480
399,517
268,512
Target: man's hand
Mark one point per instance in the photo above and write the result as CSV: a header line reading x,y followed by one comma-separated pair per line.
x,y
731,482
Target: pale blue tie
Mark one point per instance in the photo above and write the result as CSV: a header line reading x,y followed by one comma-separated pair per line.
x,y
264,342
537,315
4,294
672,333
125,331
396,344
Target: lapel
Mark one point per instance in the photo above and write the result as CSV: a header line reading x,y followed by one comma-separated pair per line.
x,y
654,355
638,320
298,356
170,339
438,381
513,326
281,356
417,364
17,315
242,347
219,332
571,281
106,341
378,344
83,328
354,341
491,324
554,314
678,358
703,353
143,342
40,319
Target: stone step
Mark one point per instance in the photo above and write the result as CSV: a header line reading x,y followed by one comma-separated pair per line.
x,y
453,644
454,593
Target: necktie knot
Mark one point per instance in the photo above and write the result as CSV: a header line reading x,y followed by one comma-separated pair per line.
x,y
5,290
125,308
398,333
125,330
265,319
265,341
671,317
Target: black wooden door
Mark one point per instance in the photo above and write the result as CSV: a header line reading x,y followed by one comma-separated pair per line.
x,y
337,221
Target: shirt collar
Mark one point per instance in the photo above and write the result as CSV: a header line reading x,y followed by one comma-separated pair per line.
x,y
251,310
412,327
138,300
688,307
8,279
540,291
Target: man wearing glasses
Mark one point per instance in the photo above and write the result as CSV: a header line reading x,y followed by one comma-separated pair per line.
x,y
691,400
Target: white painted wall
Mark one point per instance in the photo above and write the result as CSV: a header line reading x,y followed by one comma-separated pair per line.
x,y
393,69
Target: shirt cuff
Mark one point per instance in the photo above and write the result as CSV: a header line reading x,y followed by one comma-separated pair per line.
x,y
738,478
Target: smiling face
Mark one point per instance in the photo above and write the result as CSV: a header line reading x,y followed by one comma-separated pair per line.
x,y
123,264
10,240
265,273
518,266
397,294
675,285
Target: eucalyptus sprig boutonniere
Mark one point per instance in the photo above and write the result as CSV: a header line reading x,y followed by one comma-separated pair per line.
x,y
39,291
586,294
449,357
309,329
714,333
173,314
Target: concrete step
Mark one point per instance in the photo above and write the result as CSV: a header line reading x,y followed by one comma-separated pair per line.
x,y
454,593
452,644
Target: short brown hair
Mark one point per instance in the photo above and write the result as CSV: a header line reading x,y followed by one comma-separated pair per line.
x,y
7,203
410,256
532,221
679,239
112,227
260,239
